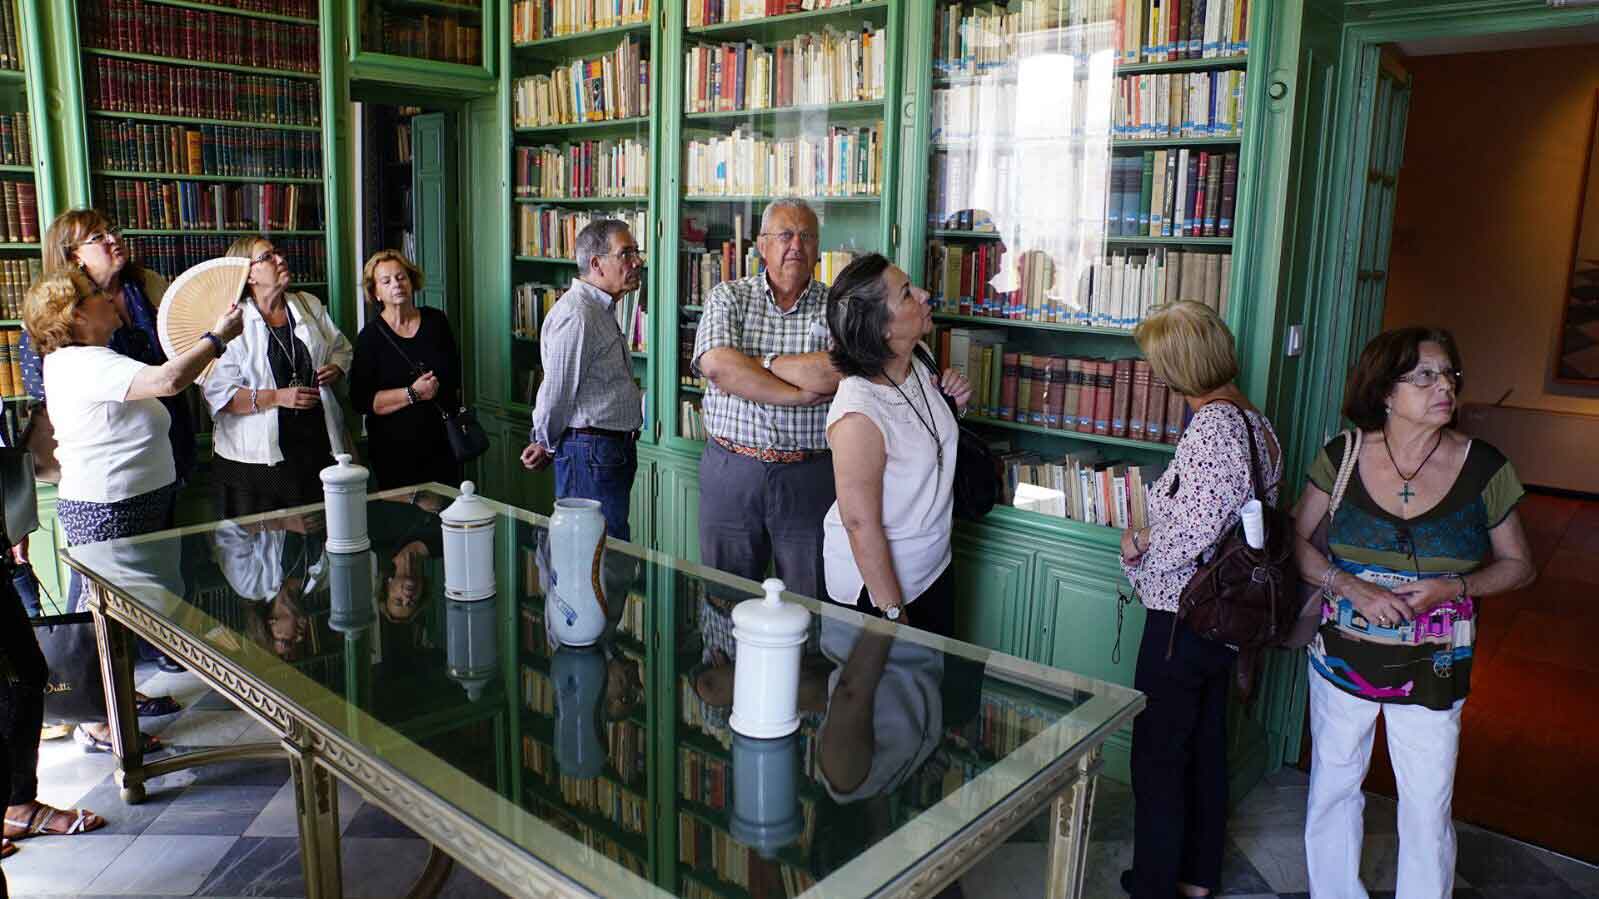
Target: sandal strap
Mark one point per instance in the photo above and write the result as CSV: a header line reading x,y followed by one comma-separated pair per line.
x,y
77,823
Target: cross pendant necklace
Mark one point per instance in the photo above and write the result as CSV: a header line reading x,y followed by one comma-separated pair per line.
x,y
1405,493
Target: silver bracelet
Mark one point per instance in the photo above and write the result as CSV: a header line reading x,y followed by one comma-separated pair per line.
x,y
254,409
1327,579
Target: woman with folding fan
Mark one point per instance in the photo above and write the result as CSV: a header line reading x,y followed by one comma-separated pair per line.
x,y
277,422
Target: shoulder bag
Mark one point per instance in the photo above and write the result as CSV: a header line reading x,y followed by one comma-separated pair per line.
x,y
467,438
976,469
1243,596
1309,621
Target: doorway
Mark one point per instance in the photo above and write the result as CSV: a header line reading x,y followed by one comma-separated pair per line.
x,y
1476,234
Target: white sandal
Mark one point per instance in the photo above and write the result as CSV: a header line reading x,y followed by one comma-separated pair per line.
x,y
36,823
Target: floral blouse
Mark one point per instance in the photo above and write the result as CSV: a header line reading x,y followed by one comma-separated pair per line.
x,y
1196,501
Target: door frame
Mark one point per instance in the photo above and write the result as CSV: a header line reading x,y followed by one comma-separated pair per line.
x,y
1368,25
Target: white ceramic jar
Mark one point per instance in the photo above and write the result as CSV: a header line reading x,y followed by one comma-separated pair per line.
x,y
344,497
575,602
766,812
472,644
469,546
351,576
771,635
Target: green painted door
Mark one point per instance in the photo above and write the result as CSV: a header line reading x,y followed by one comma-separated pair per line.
x,y
1389,102
431,206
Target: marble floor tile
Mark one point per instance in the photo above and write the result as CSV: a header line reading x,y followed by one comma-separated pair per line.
x,y
277,818
185,688
162,864
376,866
1103,874
1580,876
1238,874
62,865
250,773
212,811
256,732
194,728
1012,870
1278,857
212,701
463,884
1532,891
371,821
121,818
258,866
1270,810
1379,861
1487,860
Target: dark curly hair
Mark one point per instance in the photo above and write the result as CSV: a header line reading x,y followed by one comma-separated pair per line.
x,y
858,316
1386,359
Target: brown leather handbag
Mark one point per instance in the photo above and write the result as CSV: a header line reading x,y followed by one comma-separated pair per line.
x,y
1246,597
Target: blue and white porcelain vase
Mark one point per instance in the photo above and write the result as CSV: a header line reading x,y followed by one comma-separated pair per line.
x,y
575,602
579,678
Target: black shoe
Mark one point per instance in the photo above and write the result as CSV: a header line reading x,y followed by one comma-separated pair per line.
x,y
1127,881
168,664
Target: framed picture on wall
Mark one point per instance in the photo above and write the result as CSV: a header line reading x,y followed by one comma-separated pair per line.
x,y
1577,352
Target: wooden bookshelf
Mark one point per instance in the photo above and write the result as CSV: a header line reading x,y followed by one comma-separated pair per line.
x,y
987,321
830,110
197,120
201,64
1082,436
581,201
814,17
231,11
640,29
175,176
625,124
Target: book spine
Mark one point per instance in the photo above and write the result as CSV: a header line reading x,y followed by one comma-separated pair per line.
x,y
1155,417
1175,415
1138,404
1104,386
1121,396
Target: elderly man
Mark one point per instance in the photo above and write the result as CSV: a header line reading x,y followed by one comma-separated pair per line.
x,y
766,478
589,409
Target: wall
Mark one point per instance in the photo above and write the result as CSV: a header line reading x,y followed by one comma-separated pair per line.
x,y
1487,210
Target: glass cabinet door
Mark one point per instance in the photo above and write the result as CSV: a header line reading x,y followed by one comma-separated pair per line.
x,y
444,31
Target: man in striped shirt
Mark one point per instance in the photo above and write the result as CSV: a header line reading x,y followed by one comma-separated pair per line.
x,y
589,409
766,477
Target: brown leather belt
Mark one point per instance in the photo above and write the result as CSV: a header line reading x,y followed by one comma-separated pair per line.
x,y
781,457
604,432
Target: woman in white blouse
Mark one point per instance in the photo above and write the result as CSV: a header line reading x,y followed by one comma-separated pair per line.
x,y
278,422
885,541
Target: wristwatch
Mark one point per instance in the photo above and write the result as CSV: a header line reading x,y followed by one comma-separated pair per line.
x,y
766,360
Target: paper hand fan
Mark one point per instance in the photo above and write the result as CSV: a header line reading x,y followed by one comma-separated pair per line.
x,y
196,300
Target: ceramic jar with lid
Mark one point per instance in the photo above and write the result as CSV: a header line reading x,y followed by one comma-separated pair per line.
x,y
344,496
770,635
469,525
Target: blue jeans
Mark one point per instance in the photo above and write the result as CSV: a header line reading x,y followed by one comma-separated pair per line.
x,y
591,466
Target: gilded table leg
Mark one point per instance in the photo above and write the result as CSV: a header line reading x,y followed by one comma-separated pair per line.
x,y
1069,816
316,801
115,643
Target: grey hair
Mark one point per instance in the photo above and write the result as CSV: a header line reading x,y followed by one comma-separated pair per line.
x,y
595,240
787,203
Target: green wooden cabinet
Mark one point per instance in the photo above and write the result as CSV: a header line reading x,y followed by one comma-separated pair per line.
x,y
678,509
642,503
993,581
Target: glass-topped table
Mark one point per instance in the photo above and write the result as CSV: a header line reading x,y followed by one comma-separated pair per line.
x,y
606,770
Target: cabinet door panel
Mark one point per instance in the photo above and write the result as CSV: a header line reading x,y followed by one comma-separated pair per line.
x,y
992,587
641,505
679,533
1079,631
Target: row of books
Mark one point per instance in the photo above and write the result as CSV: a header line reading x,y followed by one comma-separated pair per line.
x,y
711,849
551,231
305,9
988,39
173,254
700,13
690,421
210,206
1172,193
625,748
597,840
587,168
843,162
11,363
1111,398
16,276
705,779
530,304
614,85
733,259
135,146
137,26
1167,30
120,85
16,139
10,47
828,66
444,38
1080,487
1182,104
19,212
533,20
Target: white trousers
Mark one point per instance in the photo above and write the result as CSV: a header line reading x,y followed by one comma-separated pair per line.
x,y
1423,744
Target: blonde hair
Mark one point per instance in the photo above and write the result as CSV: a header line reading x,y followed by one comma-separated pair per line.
x,y
244,247
369,272
51,308
68,232
1188,346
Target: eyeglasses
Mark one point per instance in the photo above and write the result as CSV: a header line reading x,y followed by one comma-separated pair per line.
x,y
101,238
268,255
1427,377
785,237
627,254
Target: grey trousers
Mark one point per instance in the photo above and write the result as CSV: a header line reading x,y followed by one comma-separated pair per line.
x,y
753,513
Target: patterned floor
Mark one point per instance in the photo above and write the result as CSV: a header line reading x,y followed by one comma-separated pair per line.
x,y
229,830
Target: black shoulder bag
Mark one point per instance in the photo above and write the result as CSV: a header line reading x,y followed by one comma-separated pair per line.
x,y
467,438
976,469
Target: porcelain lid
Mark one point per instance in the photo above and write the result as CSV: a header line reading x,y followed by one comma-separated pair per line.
x,y
468,508
771,617
344,474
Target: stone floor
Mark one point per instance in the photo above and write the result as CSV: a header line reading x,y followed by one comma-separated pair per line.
x,y
229,830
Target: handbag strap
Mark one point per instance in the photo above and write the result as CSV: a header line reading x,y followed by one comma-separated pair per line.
x,y
1254,452
921,352
1346,469
383,328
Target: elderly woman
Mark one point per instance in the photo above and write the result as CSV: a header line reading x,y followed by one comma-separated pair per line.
x,y
1426,528
117,472
407,372
277,421
885,543
1179,752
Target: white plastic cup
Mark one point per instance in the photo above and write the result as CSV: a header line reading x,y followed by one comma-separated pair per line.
x,y
1254,519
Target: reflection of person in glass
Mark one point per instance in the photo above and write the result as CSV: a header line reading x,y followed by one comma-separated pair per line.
x,y
273,564
405,534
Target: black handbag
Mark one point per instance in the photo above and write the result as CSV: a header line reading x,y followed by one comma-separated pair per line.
x,y
74,692
976,468
465,433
